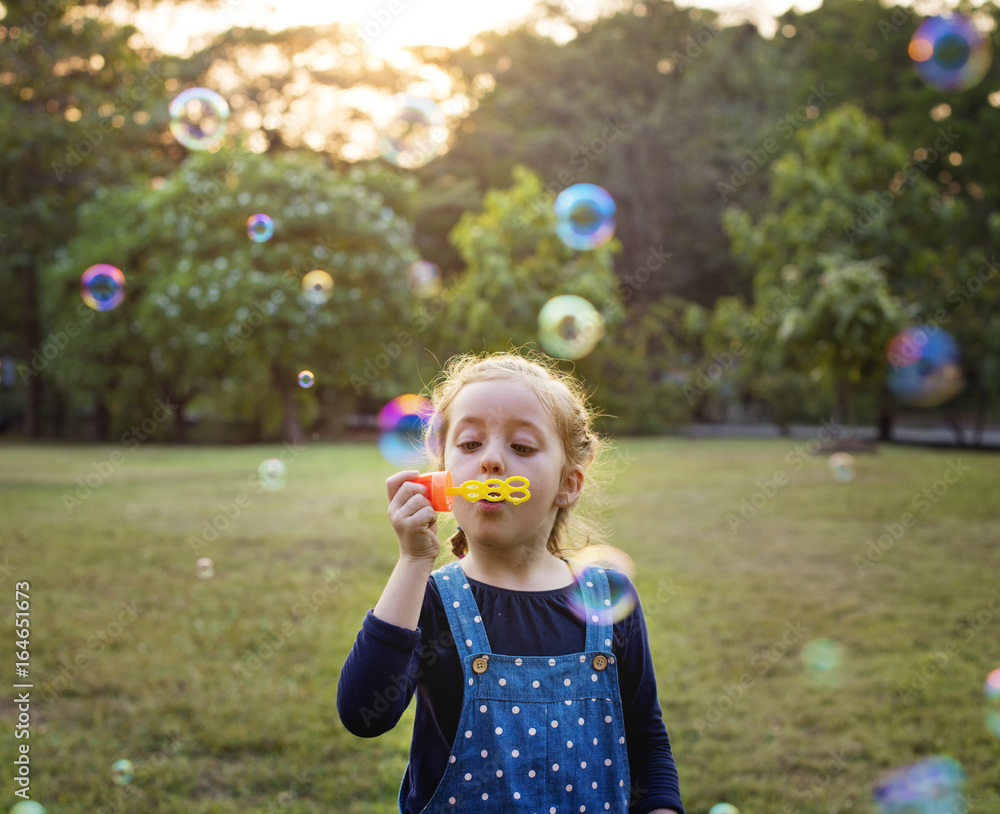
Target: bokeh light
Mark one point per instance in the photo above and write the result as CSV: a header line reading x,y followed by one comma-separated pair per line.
x,y
273,474
401,424
424,279
102,287
412,132
306,379
823,661
935,785
121,772
841,466
317,287
992,692
569,327
204,568
198,118
950,53
930,371
619,569
585,216
260,228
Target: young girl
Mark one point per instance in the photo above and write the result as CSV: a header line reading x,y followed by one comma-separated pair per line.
x,y
521,705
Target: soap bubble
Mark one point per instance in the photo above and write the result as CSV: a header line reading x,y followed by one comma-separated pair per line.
x,y
204,568
841,466
412,132
935,785
121,772
102,287
306,379
424,279
723,808
822,659
924,366
273,474
198,118
950,53
401,423
317,287
569,327
585,216
28,807
260,228
619,568
992,691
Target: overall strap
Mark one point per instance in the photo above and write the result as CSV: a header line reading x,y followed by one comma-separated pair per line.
x,y
464,618
596,591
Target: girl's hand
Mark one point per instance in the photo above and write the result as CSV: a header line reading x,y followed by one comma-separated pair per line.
x,y
412,517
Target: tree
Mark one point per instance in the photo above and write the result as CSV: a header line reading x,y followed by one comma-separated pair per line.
x,y
847,191
515,263
844,328
206,307
76,98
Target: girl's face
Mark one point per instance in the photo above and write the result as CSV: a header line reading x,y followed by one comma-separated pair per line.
x,y
499,429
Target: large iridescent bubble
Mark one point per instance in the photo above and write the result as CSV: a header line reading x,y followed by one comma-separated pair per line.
x,y
934,785
950,53
412,132
569,327
198,118
924,366
585,216
401,425
619,569
102,287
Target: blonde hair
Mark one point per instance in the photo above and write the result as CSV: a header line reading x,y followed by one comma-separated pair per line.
x,y
562,396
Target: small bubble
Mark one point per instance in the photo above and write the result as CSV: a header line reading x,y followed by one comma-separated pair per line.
x,y
585,216
260,228
102,287
204,568
198,118
121,772
306,379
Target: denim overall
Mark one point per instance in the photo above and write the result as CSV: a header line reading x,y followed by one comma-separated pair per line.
x,y
536,735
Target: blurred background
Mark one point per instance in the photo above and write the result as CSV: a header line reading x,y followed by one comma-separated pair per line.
x,y
239,239
787,194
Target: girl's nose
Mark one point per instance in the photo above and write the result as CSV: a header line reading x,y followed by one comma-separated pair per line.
x,y
491,463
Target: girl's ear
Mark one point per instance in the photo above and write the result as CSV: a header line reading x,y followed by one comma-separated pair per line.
x,y
572,486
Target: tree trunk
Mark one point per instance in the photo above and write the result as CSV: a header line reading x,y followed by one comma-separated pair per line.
x,y
101,420
32,339
179,435
886,416
290,422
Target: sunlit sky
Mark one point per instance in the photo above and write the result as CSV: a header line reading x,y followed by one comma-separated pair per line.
x,y
389,25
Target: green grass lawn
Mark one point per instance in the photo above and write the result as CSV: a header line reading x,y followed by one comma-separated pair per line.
x,y
222,691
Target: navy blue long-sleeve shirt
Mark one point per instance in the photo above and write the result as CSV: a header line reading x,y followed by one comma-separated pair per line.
x,y
389,664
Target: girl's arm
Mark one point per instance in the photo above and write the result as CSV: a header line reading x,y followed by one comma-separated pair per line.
x,y
415,524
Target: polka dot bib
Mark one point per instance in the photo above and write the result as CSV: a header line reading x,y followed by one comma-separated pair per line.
x,y
536,735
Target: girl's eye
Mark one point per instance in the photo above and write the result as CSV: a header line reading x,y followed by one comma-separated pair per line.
x,y
468,445
521,448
